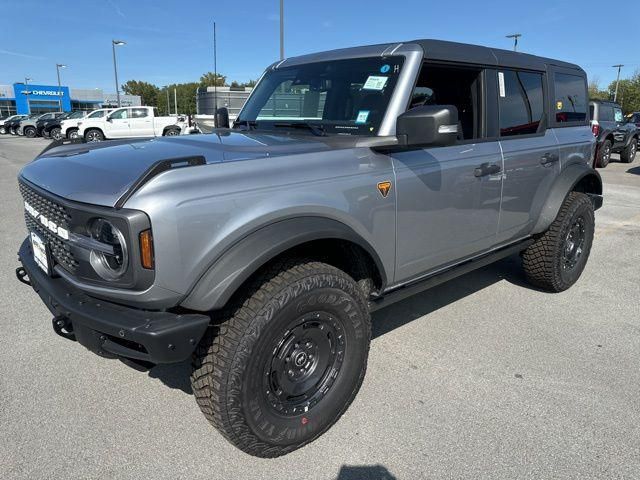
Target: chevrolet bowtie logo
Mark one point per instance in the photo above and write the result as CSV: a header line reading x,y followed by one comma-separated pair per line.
x,y
384,188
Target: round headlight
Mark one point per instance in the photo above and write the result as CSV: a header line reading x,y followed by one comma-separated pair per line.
x,y
108,266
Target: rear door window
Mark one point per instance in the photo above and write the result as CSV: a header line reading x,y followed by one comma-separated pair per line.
x,y
521,102
139,113
571,98
605,113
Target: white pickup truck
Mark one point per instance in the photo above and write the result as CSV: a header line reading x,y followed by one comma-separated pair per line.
x,y
69,126
129,122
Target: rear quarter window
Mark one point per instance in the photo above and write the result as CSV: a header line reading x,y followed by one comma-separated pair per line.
x,y
570,98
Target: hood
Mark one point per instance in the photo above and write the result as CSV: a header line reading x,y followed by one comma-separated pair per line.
x,y
101,173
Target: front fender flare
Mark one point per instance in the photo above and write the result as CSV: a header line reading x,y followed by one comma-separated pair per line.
x,y
216,286
565,183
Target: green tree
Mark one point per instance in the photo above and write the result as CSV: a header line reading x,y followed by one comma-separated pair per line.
x,y
186,96
210,79
147,91
628,93
595,93
250,83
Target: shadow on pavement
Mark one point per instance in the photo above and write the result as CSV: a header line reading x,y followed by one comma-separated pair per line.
x,y
401,313
364,472
634,170
176,376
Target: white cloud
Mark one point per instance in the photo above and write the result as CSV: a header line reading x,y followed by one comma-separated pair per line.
x,y
18,54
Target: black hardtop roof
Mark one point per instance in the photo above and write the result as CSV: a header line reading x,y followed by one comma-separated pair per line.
x,y
467,53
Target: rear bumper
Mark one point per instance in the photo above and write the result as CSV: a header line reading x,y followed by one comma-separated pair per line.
x,y
109,329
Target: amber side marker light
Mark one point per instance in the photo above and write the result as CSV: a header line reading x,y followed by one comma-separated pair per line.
x,y
146,249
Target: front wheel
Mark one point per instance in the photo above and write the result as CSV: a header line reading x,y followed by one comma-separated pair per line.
x,y
555,261
72,133
286,361
629,153
56,133
94,136
29,132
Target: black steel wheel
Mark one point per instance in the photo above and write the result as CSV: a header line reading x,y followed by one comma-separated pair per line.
x,y
304,363
557,258
286,360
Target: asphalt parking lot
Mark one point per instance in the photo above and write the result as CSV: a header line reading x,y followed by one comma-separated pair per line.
x,y
482,377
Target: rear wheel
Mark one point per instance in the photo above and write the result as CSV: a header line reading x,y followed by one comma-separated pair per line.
x,y
557,258
286,361
604,154
93,135
56,133
629,153
29,132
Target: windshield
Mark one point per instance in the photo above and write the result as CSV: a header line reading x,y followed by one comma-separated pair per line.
x,y
347,97
76,114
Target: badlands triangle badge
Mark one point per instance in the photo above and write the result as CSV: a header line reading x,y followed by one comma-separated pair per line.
x,y
384,188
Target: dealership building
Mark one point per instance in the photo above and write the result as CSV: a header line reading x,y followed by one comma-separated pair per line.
x,y
23,99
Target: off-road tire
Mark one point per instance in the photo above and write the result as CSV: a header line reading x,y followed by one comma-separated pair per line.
x,y
629,153
29,132
604,154
229,367
93,135
544,261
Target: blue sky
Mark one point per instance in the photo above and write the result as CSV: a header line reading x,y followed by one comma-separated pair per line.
x,y
171,41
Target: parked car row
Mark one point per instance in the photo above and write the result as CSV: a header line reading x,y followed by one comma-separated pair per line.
x,y
97,125
614,133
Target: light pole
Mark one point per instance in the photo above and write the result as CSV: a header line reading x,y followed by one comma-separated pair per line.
x,y
26,92
58,67
215,71
515,37
115,43
615,95
281,29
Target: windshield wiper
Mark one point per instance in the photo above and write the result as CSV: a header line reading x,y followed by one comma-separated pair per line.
x,y
316,129
250,124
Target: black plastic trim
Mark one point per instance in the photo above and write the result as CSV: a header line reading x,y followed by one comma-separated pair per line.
x,y
114,330
402,292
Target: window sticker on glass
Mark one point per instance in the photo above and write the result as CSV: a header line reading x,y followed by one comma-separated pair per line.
x,y
501,84
363,115
375,82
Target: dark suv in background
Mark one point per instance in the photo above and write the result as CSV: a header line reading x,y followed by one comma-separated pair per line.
x,y
614,133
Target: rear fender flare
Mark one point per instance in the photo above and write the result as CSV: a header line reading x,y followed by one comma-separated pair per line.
x,y
221,280
565,183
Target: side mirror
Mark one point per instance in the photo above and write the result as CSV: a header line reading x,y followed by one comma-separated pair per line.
x,y
109,119
428,125
222,118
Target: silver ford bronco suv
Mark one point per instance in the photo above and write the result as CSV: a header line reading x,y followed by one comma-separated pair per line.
x,y
351,179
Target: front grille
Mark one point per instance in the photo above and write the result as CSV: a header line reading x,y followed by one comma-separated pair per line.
x,y
60,248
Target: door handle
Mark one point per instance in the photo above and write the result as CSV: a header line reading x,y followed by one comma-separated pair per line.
x,y
487,169
548,158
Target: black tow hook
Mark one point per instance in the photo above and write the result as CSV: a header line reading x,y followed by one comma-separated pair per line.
x,y
63,327
23,276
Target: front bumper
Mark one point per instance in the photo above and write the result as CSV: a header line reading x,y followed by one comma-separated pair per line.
x,y
112,330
